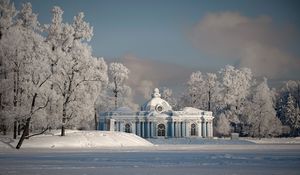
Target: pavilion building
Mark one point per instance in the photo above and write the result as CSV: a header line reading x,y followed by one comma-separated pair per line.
x,y
157,119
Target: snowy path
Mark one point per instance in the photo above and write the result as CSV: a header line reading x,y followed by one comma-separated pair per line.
x,y
161,161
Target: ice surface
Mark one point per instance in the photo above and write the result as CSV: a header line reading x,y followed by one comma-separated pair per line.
x,y
199,141
153,162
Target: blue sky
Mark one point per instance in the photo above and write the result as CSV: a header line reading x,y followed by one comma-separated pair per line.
x,y
178,35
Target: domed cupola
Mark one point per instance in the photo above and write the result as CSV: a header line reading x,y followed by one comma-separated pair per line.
x,y
156,103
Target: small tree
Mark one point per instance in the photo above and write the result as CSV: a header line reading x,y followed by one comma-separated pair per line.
x,y
118,74
223,125
292,115
263,120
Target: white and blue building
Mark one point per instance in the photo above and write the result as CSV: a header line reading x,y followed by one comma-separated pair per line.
x,y
157,119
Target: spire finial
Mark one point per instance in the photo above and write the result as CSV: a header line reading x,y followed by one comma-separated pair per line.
x,y
156,93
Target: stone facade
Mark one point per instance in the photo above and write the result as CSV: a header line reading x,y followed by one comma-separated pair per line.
x,y
157,119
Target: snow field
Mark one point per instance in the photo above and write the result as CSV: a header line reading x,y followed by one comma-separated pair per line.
x,y
80,139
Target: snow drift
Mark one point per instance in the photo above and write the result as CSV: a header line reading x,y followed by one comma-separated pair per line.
x,y
80,139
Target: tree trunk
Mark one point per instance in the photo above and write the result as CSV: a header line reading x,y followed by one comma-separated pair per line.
x,y
15,129
63,133
209,99
116,92
19,128
26,129
24,133
27,133
4,129
96,121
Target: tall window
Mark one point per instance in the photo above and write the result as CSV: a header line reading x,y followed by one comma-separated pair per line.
x,y
193,129
161,130
127,128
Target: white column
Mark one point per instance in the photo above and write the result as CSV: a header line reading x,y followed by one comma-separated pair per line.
x,y
133,127
204,129
122,126
138,127
111,124
180,129
148,129
211,129
183,129
152,129
166,130
172,129
142,129
208,129
200,129
187,129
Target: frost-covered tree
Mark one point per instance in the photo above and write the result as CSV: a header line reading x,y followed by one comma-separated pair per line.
x,y
289,92
223,125
236,84
292,115
21,47
167,94
116,93
212,88
201,91
7,14
195,96
25,53
77,75
118,74
263,119
36,86
36,71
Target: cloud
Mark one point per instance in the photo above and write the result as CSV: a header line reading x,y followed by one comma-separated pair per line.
x,y
145,75
256,43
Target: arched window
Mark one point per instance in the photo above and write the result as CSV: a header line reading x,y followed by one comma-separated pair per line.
x,y
161,130
127,128
193,129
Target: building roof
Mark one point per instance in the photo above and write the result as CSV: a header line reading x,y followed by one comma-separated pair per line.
x,y
123,110
156,103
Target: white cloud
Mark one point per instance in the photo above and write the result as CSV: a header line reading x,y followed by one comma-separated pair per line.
x,y
256,43
145,75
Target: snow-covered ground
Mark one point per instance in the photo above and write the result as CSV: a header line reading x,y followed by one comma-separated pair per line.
x,y
114,153
105,139
290,140
78,139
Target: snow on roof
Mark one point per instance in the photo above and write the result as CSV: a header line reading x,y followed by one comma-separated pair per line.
x,y
155,102
191,110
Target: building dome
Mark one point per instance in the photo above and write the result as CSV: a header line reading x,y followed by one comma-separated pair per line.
x,y
156,103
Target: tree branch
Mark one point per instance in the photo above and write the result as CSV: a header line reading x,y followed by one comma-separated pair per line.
x,y
27,137
41,107
47,78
